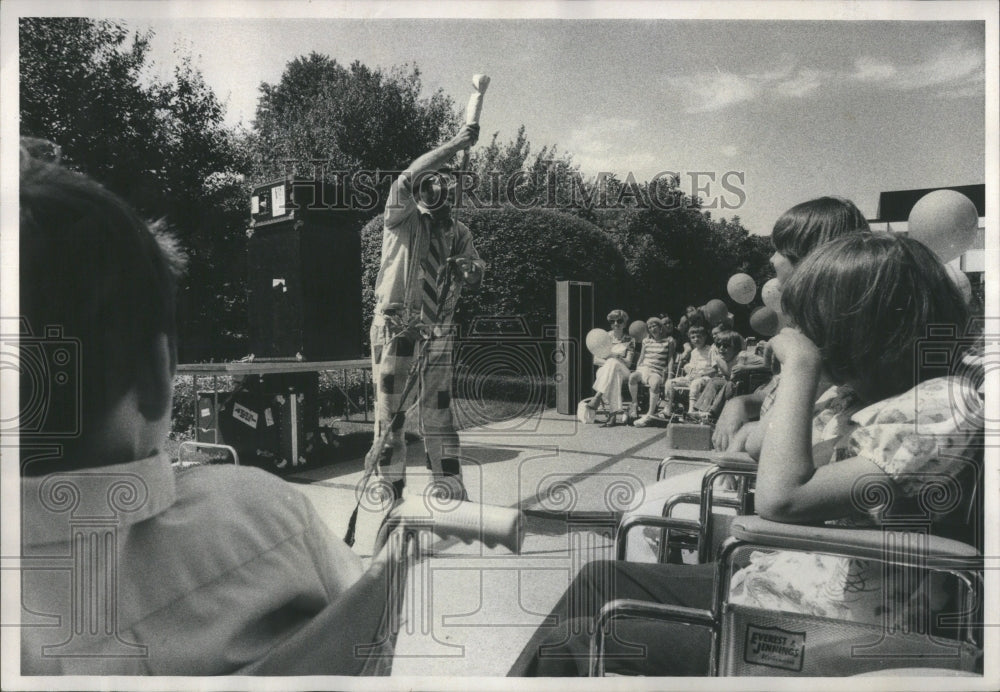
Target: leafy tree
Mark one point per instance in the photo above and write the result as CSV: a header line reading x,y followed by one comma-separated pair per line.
x,y
526,251
80,87
161,146
352,118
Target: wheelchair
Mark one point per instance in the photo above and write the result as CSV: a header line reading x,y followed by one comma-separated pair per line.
x,y
356,634
917,639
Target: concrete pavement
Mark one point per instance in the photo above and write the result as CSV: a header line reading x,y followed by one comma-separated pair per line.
x,y
471,609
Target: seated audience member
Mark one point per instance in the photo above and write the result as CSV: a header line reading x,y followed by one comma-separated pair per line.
x,y
796,233
655,355
727,355
613,371
211,566
692,316
669,333
860,305
698,370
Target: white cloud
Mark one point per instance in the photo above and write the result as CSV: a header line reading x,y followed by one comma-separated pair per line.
x,y
712,91
953,71
949,67
802,84
609,144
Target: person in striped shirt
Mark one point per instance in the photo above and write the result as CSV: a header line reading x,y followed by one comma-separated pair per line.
x,y
656,354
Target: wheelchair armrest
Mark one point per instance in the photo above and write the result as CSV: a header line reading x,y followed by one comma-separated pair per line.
x,y
731,461
627,607
632,521
736,463
865,544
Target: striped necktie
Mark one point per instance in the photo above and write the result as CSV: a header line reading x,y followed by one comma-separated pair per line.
x,y
431,265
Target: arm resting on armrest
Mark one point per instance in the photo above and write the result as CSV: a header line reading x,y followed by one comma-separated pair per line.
x,y
864,544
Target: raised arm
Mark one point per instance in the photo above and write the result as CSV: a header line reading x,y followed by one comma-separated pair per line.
x,y
435,158
402,197
790,488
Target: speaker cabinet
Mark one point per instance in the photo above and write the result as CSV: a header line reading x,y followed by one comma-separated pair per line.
x,y
268,419
574,318
304,291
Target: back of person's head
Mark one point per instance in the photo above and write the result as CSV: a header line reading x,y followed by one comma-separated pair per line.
x,y
695,318
810,224
92,272
865,300
728,338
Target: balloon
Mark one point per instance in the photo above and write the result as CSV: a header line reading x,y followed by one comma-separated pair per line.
x,y
715,311
637,330
599,343
741,288
770,293
764,321
945,221
961,280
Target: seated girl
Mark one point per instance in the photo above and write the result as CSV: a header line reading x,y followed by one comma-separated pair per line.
x,y
613,371
655,356
727,355
860,305
698,370
796,233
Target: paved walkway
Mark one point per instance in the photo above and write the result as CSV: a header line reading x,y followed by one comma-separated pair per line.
x,y
471,609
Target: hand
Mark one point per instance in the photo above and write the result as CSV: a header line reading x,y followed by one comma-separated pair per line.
x,y
470,271
795,350
738,443
733,417
467,136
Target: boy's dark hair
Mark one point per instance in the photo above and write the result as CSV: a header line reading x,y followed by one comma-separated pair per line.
x,y
90,267
729,338
811,224
697,329
866,300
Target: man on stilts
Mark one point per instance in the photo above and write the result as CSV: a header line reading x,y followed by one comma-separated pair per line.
x,y
427,257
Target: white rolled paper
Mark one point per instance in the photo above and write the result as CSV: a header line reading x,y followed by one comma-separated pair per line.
x,y
479,84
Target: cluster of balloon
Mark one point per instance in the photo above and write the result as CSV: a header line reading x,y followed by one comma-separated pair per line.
x,y
715,311
637,330
961,281
741,288
946,221
770,293
764,321
599,343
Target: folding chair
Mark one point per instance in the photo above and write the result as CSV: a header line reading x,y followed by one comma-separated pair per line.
x,y
356,634
750,641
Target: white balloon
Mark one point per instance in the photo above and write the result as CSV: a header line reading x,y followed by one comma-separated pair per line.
x,y
741,288
599,343
946,221
770,293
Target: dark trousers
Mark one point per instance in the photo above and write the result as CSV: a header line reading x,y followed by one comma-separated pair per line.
x,y
560,646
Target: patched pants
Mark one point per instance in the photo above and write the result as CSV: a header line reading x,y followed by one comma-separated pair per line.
x,y
392,359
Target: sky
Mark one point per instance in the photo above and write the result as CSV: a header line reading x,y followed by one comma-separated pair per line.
x,y
793,109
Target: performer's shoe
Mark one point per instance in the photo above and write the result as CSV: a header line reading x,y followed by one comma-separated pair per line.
x,y
642,422
448,488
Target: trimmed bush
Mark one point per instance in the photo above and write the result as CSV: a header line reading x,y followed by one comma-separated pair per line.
x,y
526,252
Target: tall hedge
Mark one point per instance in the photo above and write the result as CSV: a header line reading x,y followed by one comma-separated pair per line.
x,y
526,252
